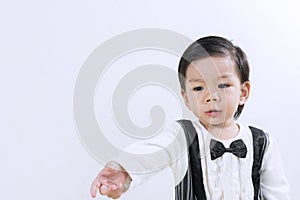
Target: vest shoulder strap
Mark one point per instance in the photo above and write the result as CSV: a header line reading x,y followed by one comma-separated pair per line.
x,y
260,144
195,174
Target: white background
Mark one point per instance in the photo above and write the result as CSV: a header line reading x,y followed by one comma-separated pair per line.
x,y
44,43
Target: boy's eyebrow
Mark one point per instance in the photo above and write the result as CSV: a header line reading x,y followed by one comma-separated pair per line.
x,y
196,80
226,76
201,80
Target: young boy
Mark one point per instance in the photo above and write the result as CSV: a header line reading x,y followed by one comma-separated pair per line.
x,y
222,159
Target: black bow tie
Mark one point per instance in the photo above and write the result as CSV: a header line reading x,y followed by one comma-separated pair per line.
x,y
237,148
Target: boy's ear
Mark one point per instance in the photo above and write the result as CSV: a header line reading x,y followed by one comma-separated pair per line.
x,y
184,96
245,91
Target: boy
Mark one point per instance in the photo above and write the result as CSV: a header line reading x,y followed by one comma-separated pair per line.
x,y
222,159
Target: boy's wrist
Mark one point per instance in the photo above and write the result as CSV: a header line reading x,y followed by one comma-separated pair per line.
x,y
126,184
116,166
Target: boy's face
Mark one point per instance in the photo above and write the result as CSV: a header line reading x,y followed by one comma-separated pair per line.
x,y
214,91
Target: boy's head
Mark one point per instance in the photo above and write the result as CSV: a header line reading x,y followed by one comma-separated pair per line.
x,y
214,48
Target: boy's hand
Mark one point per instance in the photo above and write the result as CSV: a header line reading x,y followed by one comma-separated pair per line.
x,y
112,181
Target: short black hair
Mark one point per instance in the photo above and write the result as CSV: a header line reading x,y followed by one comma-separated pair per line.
x,y
215,46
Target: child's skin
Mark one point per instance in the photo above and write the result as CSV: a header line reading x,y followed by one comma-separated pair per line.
x,y
109,182
213,93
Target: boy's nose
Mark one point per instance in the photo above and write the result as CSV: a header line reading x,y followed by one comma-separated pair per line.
x,y
214,97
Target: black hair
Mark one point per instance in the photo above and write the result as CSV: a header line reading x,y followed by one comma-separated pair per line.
x,y
215,46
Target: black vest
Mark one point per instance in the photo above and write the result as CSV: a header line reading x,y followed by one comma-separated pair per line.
x,y
192,187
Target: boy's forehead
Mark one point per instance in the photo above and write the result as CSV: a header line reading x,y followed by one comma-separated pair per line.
x,y
211,67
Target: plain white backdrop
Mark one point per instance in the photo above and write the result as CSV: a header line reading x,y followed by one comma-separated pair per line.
x,y
44,43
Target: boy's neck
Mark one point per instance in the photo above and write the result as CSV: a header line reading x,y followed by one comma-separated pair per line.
x,y
224,132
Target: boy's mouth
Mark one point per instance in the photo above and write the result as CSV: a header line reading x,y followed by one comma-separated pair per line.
x,y
213,113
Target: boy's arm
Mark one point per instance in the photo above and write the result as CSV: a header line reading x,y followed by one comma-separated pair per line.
x,y
112,181
274,184
149,157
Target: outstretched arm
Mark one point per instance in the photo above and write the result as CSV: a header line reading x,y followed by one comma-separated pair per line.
x,y
142,160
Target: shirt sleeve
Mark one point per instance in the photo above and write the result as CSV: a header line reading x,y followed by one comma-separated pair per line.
x,y
274,184
145,158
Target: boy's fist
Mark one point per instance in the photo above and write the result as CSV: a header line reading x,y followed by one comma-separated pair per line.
x,y
112,181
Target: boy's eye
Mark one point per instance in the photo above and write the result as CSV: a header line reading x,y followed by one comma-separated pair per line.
x,y
199,88
224,85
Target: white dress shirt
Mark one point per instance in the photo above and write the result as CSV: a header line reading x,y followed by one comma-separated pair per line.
x,y
227,177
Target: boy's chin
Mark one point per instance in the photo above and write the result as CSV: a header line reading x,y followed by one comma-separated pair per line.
x,y
216,123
